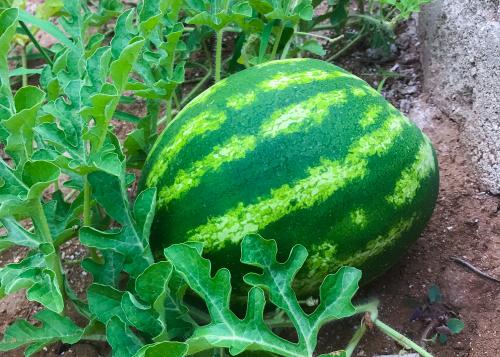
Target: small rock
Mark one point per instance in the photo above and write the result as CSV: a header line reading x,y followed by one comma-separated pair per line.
x,y
409,90
409,58
405,105
459,345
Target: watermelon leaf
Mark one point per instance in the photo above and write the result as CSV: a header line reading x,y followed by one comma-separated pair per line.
x,y
8,24
455,325
227,330
122,340
53,328
105,302
33,274
107,272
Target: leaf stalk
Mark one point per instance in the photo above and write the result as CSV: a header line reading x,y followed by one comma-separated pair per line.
x,y
218,56
36,43
54,263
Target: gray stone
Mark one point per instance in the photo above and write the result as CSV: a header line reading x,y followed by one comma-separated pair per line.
x,y
461,63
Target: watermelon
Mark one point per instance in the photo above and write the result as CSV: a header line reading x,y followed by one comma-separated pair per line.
x,y
299,151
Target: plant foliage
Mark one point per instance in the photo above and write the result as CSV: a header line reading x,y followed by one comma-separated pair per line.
x,y
65,175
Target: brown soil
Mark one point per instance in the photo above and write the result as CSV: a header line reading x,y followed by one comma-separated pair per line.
x,y
465,224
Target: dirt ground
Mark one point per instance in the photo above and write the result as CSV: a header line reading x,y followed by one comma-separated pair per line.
x,y
465,224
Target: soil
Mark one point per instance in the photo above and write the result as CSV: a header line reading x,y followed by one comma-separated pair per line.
x,y
465,224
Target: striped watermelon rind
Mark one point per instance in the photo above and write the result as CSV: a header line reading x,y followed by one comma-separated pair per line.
x,y
299,151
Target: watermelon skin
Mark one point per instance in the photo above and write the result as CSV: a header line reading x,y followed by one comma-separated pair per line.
x,y
299,151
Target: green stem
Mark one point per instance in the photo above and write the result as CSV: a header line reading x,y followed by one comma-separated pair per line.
x,y
401,339
65,236
277,42
168,110
36,43
87,212
348,46
87,193
323,27
331,40
195,89
371,308
218,55
353,343
54,262
176,101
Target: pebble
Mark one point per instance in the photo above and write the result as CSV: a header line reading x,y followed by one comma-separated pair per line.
x,y
405,105
459,345
409,90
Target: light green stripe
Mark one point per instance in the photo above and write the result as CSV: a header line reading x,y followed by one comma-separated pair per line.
x,y
370,115
321,260
281,62
358,217
293,118
323,257
199,125
322,182
283,80
358,92
364,91
289,118
411,178
378,245
239,101
235,148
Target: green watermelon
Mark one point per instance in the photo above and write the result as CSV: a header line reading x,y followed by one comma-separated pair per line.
x,y
299,151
